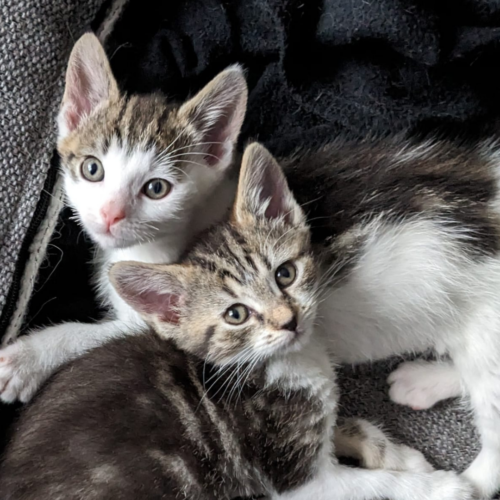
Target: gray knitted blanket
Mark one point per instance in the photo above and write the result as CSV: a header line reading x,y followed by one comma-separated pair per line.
x,y
35,39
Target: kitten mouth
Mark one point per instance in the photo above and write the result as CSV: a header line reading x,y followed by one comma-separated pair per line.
x,y
109,241
296,339
297,335
292,338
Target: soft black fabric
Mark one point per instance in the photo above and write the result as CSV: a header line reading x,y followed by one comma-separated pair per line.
x,y
316,68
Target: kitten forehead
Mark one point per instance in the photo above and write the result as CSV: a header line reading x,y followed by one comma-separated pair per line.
x,y
241,255
139,122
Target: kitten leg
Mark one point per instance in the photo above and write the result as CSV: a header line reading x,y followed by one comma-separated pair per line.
x,y
346,483
28,362
360,439
421,384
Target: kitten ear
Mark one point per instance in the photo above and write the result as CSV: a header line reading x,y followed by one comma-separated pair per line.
x,y
263,190
153,290
217,114
89,83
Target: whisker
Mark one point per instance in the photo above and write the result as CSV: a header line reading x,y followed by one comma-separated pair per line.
x,y
167,153
175,140
180,155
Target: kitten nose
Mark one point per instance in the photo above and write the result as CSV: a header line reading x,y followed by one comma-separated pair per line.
x,y
291,325
111,214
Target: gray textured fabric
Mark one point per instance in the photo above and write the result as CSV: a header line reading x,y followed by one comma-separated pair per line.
x,y
35,40
445,433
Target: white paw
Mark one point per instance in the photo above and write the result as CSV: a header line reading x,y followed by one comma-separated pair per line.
x,y
21,372
449,486
416,385
411,460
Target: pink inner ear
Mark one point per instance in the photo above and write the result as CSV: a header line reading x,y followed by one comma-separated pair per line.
x,y
72,118
84,90
216,137
79,96
273,188
162,305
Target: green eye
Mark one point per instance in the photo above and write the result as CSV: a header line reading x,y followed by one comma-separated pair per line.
x,y
92,169
156,188
237,314
285,274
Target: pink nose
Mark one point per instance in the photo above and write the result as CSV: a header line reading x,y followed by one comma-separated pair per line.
x,y
111,214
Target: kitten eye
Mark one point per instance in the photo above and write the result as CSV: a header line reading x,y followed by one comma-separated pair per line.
x,y
237,314
157,188
92,169
285,274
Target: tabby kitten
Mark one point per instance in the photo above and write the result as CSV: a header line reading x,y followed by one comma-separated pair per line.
x,y
232,395
143,175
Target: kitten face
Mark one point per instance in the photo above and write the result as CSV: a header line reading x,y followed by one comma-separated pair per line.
x,y
247,290
117,210
251,293
135,168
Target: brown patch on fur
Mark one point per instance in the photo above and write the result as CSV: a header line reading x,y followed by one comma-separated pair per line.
x,y
148,430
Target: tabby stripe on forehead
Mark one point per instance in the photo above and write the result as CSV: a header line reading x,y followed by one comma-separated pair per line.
x,y
228,250
250,262
208,265
226,289
244,247
118,136
121,114
238,237
160,120
225,273
120,125
134,132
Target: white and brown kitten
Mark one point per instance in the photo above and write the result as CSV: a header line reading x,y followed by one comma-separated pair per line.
x,y
143,175
410,237
232,395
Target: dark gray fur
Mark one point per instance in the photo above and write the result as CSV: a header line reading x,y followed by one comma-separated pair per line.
x,y
346,184
105,426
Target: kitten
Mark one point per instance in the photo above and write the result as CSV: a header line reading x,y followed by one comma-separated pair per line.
x,y
409,232
143,175
234,396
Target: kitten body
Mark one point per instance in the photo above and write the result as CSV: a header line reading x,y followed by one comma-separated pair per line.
x,y
147,429
231,395
409,233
